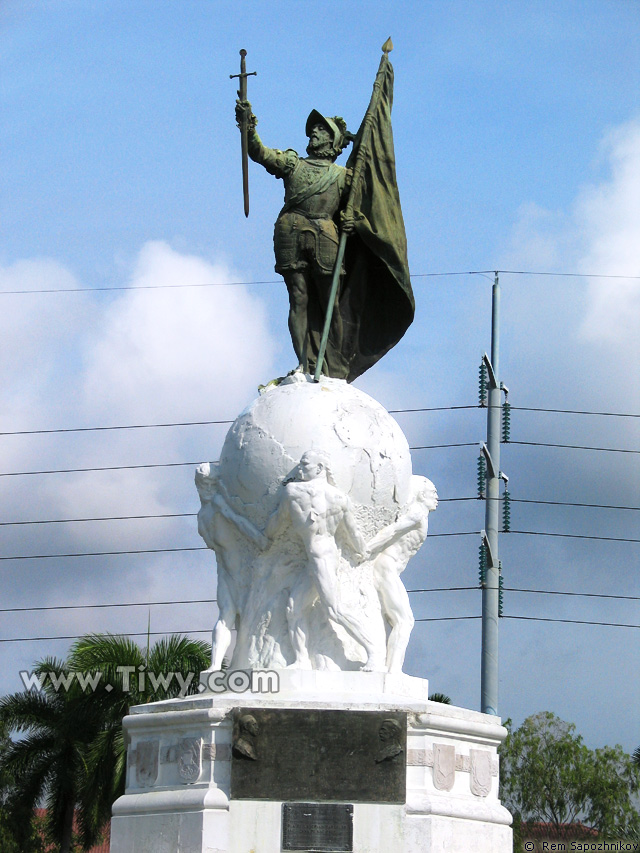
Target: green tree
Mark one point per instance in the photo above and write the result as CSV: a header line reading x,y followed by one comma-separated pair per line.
x,y
46,765
9,832
440,697
73,756
136,676
549,775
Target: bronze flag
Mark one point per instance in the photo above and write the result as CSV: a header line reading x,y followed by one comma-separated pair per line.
x,y
376,304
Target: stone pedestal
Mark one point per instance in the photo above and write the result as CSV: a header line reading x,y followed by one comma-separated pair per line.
x,y
179,796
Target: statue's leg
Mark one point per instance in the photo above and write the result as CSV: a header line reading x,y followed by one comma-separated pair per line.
x,y
326,572
298,289
396,609
224,623
301,600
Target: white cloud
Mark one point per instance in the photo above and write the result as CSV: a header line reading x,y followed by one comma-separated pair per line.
x,y
184,353
136,356
608,217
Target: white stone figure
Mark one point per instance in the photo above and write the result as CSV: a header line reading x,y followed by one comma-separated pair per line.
x,y
317,511
219,524
391,549
370,465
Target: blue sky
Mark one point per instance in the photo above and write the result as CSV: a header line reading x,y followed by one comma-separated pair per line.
x,y
517,133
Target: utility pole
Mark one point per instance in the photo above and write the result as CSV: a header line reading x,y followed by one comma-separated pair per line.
x,y
489,564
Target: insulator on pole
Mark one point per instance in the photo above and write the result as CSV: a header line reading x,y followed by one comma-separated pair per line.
x,y
506,512
500,590
483,564
482,385
482,476
506,422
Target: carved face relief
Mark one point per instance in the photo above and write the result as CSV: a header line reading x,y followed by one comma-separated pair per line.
x,y
244,739
147,762
444,766
390,733
190,758
480,776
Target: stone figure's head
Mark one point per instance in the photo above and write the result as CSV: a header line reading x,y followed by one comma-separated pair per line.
x,y
313,464
390,731
249,725
423,490
207,481
327,136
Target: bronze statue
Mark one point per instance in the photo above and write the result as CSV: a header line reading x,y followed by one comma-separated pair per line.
x,y
306,231
349,301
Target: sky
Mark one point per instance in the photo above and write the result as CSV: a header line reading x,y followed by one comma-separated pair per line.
x,y
517,140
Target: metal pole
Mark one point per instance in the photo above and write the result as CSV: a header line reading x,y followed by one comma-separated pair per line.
x,y
490,589
361,154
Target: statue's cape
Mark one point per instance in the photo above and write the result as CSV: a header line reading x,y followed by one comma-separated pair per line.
x,y
377,304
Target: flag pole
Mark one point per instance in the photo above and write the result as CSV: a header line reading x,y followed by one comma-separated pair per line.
x,y
361,154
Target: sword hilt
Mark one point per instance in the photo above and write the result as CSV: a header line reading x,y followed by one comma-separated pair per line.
x,y
242,91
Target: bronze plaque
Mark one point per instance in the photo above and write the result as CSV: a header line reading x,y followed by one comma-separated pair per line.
x,y
317,827
349,756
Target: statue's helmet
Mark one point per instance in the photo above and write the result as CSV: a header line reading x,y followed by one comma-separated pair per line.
x,y
336,125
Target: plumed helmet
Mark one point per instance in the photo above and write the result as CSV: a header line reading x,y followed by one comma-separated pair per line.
x,y
336,126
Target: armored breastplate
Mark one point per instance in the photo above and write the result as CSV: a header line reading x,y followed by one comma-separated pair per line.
x,y
321,205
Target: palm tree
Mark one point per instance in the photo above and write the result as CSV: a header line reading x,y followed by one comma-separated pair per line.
x,y
167,670
440,697
73,755
48,763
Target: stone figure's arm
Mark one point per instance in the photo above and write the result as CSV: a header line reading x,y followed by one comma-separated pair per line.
x,y
276,162
243,524
356,538
277,519
392,533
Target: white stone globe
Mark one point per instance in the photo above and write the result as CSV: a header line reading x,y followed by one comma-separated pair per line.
x,y
368,453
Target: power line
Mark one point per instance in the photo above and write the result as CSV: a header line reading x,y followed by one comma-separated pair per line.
x,y
425,619
107,428
567,274
570,503
194,514
577,594
105,553
202,423
573,446
571,621
574,412
167,550
414,447
570,536
204,548
101,518
101,468
103,606
391,412
214,600
205,631
179,464
123,634
535,591
279,281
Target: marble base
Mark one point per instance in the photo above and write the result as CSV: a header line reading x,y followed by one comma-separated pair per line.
x,y
179,764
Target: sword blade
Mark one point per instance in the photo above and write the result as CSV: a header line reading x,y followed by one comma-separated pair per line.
x,y
245,166
244,130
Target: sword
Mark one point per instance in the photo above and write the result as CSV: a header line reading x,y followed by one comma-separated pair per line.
x,y
244,131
